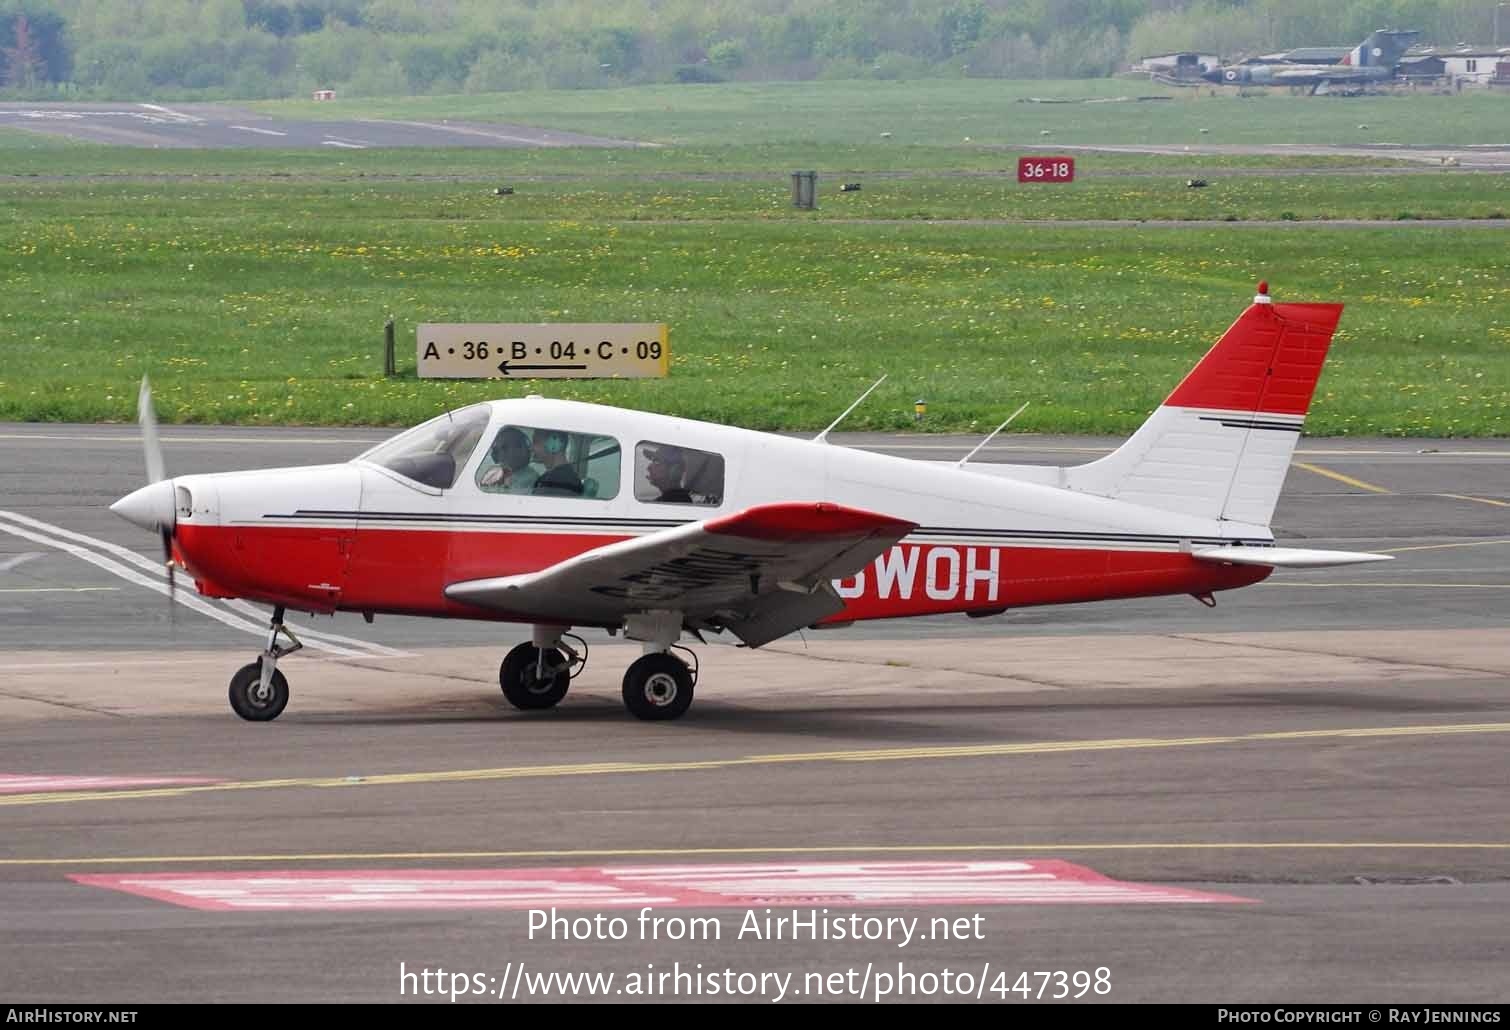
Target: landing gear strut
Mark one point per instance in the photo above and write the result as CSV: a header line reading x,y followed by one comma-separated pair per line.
x,y
658,685
259,692
537,675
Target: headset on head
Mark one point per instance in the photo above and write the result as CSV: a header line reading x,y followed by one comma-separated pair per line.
x,y
502,441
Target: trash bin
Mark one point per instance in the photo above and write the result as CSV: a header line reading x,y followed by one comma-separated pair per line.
x,y
805,190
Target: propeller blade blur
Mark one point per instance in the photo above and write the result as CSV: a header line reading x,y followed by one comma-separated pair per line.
x,y
148,420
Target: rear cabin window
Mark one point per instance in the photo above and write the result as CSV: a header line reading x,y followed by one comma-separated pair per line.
x,y
549,462
669,474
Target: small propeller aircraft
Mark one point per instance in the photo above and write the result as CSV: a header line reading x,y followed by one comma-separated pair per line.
x,y
560,515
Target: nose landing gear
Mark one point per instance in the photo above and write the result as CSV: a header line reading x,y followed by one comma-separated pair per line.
x,y
259,692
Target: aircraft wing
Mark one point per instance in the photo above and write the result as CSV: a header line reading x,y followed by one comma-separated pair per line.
x,y
761,572
1286,557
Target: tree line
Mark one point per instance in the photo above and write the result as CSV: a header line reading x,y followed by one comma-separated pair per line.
x,y
252,49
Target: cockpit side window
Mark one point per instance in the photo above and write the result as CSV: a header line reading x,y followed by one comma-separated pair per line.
x,y
434,453
548,462
669,474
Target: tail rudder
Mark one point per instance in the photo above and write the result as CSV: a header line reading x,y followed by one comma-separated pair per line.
x,y
1220,445
1359,56
1381,49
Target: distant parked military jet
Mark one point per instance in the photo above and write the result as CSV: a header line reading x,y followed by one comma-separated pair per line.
x,y
1373,60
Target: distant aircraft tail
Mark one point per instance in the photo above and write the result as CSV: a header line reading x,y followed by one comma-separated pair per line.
x,y
1220,445
1382,49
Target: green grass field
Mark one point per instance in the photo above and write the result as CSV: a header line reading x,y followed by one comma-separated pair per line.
x,y
253,285
277,316
1229,196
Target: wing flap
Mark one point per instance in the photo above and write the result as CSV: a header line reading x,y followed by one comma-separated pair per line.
x,y
773,616
1286,557
765,570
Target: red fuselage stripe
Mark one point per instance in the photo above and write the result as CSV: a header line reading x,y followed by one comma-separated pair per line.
x,y
405,571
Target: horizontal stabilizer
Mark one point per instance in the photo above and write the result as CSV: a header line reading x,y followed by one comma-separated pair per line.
x,y
1286,557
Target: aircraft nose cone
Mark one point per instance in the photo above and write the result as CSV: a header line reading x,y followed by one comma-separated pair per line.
x,y
151,507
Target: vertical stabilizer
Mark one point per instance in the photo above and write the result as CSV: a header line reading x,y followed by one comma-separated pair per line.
x,y
1220,445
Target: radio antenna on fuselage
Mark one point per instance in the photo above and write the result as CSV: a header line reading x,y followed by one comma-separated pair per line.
x,y
961,463
823,436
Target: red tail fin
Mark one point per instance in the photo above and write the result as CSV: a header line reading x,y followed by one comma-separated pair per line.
x,y
1268,361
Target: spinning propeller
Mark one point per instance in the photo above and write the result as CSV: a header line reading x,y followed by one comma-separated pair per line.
x,y
152,507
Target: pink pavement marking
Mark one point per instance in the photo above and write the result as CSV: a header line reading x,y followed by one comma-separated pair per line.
x,y
12,783
1033,882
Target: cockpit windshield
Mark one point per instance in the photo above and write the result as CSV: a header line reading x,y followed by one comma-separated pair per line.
x,y
434,453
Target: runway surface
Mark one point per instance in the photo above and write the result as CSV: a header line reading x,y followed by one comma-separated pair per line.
x,y
1295,796
200,125
1480,156
213,125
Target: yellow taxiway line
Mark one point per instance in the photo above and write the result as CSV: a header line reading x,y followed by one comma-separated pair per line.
x,y
1339,477
801,757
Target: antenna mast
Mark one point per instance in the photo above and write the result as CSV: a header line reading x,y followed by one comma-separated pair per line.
x,y
823,436
961,463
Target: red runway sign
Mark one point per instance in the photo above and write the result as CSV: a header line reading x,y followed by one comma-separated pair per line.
x,y
1046,169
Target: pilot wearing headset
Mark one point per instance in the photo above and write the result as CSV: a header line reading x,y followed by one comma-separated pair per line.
x,y
559,478
510,455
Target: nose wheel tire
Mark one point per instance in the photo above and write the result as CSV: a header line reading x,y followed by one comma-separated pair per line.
x,y
657,687
522,684
249,701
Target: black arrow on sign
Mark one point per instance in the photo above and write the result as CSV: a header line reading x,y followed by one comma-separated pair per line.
x,y
504,368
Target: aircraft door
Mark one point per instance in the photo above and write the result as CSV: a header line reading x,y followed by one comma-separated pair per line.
x,y
406,513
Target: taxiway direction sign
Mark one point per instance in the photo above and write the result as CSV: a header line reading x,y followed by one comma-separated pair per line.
x,y
542,351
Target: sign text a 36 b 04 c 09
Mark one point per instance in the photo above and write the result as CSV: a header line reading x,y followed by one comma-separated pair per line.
x,y
534,351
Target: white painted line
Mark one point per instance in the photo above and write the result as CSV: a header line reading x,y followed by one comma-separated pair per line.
x,y
137,440
265,132
118,662
18,559
378,650
340,143
53,590
169,112
180,596
129,555
16,783
156,568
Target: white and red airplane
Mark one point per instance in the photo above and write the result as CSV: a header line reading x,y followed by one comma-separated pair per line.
x,y
559,514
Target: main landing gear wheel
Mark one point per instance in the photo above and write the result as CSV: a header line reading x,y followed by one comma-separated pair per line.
x,y
522,682
250,701
657,686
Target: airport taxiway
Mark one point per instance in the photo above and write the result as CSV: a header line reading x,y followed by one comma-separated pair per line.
x,y
1322,756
